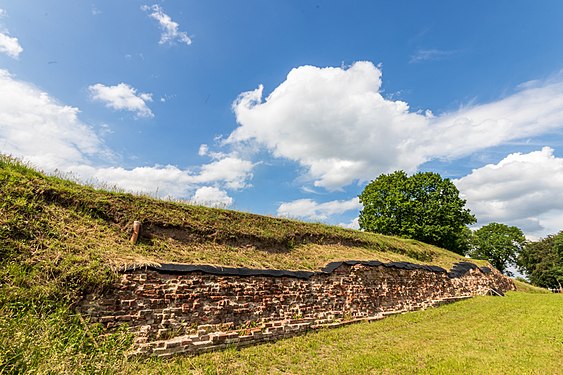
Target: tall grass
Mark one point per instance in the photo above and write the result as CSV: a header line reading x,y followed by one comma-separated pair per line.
x,y
41,278
55,340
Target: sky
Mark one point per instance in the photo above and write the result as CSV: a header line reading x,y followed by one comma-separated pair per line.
x,y
289,108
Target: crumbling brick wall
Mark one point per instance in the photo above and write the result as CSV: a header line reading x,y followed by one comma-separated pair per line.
x,y
191,309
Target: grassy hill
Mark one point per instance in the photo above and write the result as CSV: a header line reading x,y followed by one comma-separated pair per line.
x,y
59,240
79,231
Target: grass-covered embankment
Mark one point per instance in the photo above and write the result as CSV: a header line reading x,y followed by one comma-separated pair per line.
x,y
50,213
522,286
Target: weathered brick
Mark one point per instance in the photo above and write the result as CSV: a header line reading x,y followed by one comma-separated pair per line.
x,y
212,309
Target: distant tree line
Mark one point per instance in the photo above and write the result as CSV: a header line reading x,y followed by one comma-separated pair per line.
x,y
542,261
428,208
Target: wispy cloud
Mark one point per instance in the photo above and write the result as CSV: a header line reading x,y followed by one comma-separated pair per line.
x,y
122,97
170,29
431,55
95,11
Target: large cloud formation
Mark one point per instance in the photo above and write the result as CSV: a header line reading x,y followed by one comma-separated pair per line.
x,y
36,127
336,124
332,121
522,190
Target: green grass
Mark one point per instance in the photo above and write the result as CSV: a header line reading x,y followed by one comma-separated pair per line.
x,y
57,217
523,286
54,340
518,334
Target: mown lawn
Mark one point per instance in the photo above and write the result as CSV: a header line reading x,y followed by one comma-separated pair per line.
x,y
521,333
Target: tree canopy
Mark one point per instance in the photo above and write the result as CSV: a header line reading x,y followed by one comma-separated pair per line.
x,y
497,243
542,261
423,206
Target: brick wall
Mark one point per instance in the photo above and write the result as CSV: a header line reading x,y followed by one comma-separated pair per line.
x,y
194,309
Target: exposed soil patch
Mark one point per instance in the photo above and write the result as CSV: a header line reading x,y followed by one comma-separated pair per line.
x,y
189,235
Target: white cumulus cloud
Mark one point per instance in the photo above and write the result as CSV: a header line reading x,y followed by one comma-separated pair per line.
x,y
211,196
170,29
309,209
160,181
10,46
168,180
235,171
353,224
122,97
522,189
335,123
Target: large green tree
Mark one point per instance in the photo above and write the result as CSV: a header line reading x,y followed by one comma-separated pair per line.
x,y
423,206
497,243
542,261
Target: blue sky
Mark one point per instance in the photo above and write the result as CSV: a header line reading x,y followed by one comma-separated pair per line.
x,y
289,108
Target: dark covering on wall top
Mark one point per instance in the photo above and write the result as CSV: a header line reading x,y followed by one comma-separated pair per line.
x,y
458,270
